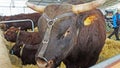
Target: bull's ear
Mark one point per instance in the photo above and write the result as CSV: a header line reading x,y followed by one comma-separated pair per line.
x,y
39,9
87,6
90,20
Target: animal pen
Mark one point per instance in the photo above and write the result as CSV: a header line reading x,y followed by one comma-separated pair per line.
x,y
109,56
17,21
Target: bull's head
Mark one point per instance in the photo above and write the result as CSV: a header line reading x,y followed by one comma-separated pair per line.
x,y
16,49
11,34
57,25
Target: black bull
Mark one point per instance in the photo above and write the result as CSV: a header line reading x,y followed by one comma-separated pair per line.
x,y
65,38
69,40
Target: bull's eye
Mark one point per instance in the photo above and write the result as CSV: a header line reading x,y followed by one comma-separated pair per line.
x,y
66,33
63,33
61,36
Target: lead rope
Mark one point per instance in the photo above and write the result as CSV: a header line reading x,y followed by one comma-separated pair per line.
x,y
21,51
18,33
45,42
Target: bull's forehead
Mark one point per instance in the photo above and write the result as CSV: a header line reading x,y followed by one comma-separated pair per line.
x,y
57,9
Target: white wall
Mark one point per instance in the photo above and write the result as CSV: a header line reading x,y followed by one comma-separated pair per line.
x,y
6,11
6,7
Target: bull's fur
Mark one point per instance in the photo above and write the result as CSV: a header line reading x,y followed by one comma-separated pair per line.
x,y
84,50
29,39
24,25
16,35
4,58
28,54
89,43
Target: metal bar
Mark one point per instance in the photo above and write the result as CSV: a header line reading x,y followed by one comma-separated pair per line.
x,y
14,7
107,62
19,21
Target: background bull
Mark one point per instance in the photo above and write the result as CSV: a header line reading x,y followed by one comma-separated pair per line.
x,y
26,52
26,44
16,35
24,24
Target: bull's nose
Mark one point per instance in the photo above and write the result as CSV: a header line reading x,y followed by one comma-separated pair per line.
x,y
41,62
11,52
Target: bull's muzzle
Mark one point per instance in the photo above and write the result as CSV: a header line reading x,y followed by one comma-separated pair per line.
x,y
42,62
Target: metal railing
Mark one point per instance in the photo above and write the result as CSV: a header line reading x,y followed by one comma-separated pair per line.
x,y
19,21
109,62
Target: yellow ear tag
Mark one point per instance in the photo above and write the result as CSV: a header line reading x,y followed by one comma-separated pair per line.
x,y
89,20
16,31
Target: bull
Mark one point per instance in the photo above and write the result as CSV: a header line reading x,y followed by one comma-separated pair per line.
x,y
26,44
26,52
74,34
17,35
24,24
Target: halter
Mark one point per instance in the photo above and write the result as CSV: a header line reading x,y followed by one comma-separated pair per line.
x,y
50,23
21,50
18,34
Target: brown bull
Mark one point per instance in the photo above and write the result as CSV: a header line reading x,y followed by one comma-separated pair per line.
x,y
16,35
26,44
26,52
74,34
23,24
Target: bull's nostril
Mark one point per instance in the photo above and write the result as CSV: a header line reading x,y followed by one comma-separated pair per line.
x,y
11,52
41,62
41,59
50,62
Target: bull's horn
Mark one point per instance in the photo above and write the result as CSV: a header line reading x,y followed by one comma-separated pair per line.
x,y
39,9
87,6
